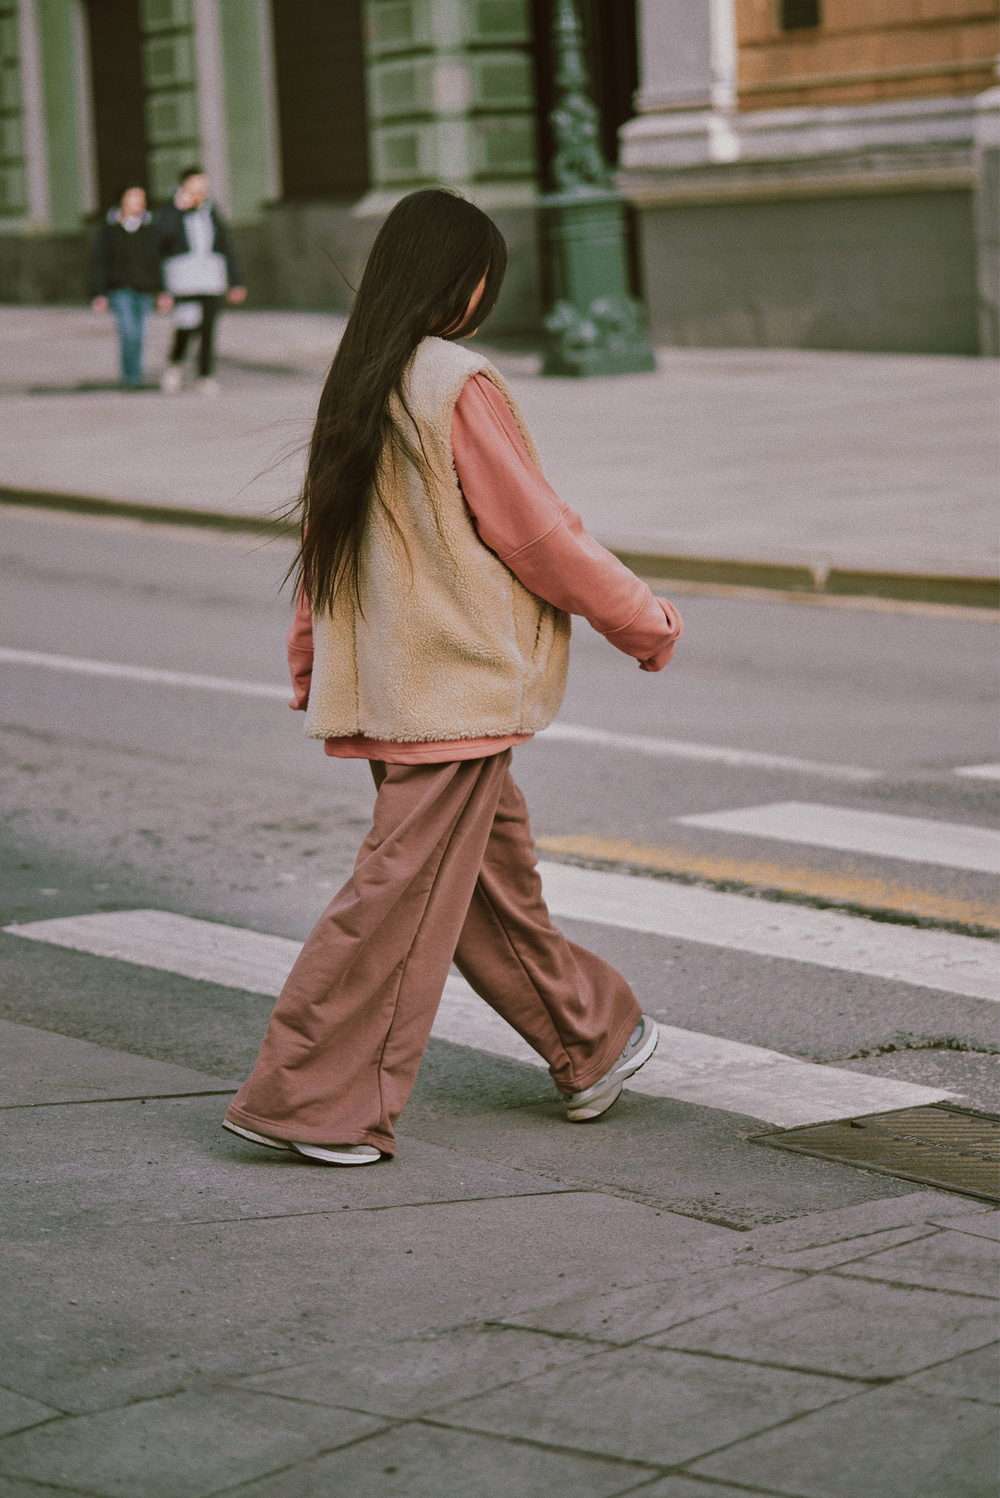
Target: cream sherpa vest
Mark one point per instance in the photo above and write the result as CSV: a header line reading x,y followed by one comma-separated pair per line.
x,y
448,643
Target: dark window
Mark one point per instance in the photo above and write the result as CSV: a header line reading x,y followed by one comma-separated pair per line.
x,y
319,62
116,70
610,38
799,15
609,28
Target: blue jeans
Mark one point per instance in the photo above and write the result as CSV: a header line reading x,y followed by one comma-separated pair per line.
x,y
131,308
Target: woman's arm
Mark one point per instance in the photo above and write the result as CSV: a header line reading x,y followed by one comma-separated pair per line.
x,y
545,543
299,642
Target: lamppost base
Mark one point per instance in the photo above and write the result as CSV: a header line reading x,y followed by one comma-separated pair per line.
x,y
605,339
595,326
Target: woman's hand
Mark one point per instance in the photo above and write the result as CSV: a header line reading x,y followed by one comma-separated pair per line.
x,y
99,304
675,629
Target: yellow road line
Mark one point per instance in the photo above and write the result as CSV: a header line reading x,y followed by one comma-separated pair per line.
x,y
859,891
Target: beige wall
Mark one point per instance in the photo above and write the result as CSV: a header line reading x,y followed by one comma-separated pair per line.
x,y
866,51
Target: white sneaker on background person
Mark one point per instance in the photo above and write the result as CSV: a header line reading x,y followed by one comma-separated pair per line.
x,y
171,379
208,385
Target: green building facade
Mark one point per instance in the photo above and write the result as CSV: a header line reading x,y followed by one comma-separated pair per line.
x,y
312,117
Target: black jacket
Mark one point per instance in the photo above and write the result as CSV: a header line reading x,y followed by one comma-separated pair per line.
x,y
128,260
173,240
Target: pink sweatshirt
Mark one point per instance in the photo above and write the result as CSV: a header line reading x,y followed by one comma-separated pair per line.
x,y
543,542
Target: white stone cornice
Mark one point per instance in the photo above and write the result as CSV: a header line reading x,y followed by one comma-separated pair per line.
x,y
903,145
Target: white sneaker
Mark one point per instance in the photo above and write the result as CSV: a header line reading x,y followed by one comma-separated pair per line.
x,y
340,1154
329,1154
208,385
171,379
581,1107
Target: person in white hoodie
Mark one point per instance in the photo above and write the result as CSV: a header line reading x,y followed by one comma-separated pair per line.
x,y
200,269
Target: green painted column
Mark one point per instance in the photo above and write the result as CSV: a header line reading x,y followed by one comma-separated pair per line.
x,y
13,183
451,99
248,101
59,42
595,327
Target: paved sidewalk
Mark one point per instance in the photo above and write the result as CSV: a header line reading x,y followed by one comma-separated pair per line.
x,y
185,1315
878,463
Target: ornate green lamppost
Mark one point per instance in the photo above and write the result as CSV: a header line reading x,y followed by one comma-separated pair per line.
x,y
595,327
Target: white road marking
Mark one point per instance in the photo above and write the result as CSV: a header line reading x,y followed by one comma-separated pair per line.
x,y
706,1069
703,1069
953,845
928,959
148,674
715,754
979,772
573,733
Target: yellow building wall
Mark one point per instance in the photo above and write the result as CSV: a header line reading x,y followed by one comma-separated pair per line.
x,y
866,51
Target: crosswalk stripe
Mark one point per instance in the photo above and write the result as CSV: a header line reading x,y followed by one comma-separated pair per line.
x,y
689,1067
979,772
928,959
952,845
705,1069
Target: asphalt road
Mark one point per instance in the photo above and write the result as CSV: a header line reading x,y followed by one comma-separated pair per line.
x,y
121,793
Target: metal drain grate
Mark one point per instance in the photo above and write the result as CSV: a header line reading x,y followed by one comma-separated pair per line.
x,y
954,1149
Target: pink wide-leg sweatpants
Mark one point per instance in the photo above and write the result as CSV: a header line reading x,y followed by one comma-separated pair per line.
x,y
446,872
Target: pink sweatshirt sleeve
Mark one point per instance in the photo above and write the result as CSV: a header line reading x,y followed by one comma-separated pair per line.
x,y
545,543
299,642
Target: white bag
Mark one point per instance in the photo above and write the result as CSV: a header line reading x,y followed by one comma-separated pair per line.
x,y
187,315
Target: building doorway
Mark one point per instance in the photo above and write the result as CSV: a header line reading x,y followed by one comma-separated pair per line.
x,y
320,71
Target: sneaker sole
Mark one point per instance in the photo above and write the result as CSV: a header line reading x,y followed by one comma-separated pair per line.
x,y
271,1144
329,1157
298,1149
594,1106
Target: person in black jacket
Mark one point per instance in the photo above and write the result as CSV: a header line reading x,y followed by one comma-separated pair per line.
x,y
126,275
200,267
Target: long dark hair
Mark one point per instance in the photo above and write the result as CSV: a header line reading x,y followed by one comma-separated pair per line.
x,y
430,255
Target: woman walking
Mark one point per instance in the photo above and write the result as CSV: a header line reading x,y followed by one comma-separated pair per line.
x,y
126,276
437,573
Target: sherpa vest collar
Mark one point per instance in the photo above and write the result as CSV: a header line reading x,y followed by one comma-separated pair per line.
x,y
448,644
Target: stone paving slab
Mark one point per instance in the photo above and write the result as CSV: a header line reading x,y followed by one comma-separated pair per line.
x,y
184,1445
689,1487
945,1261
38,1066
743,1189
829,1255
419,1461
643,1403
889,1442
168,1160
191,1315
104,1317
12,1487
986,1225
629,1314
845,1224
848,1327
421,1374
18,1413
974,1375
